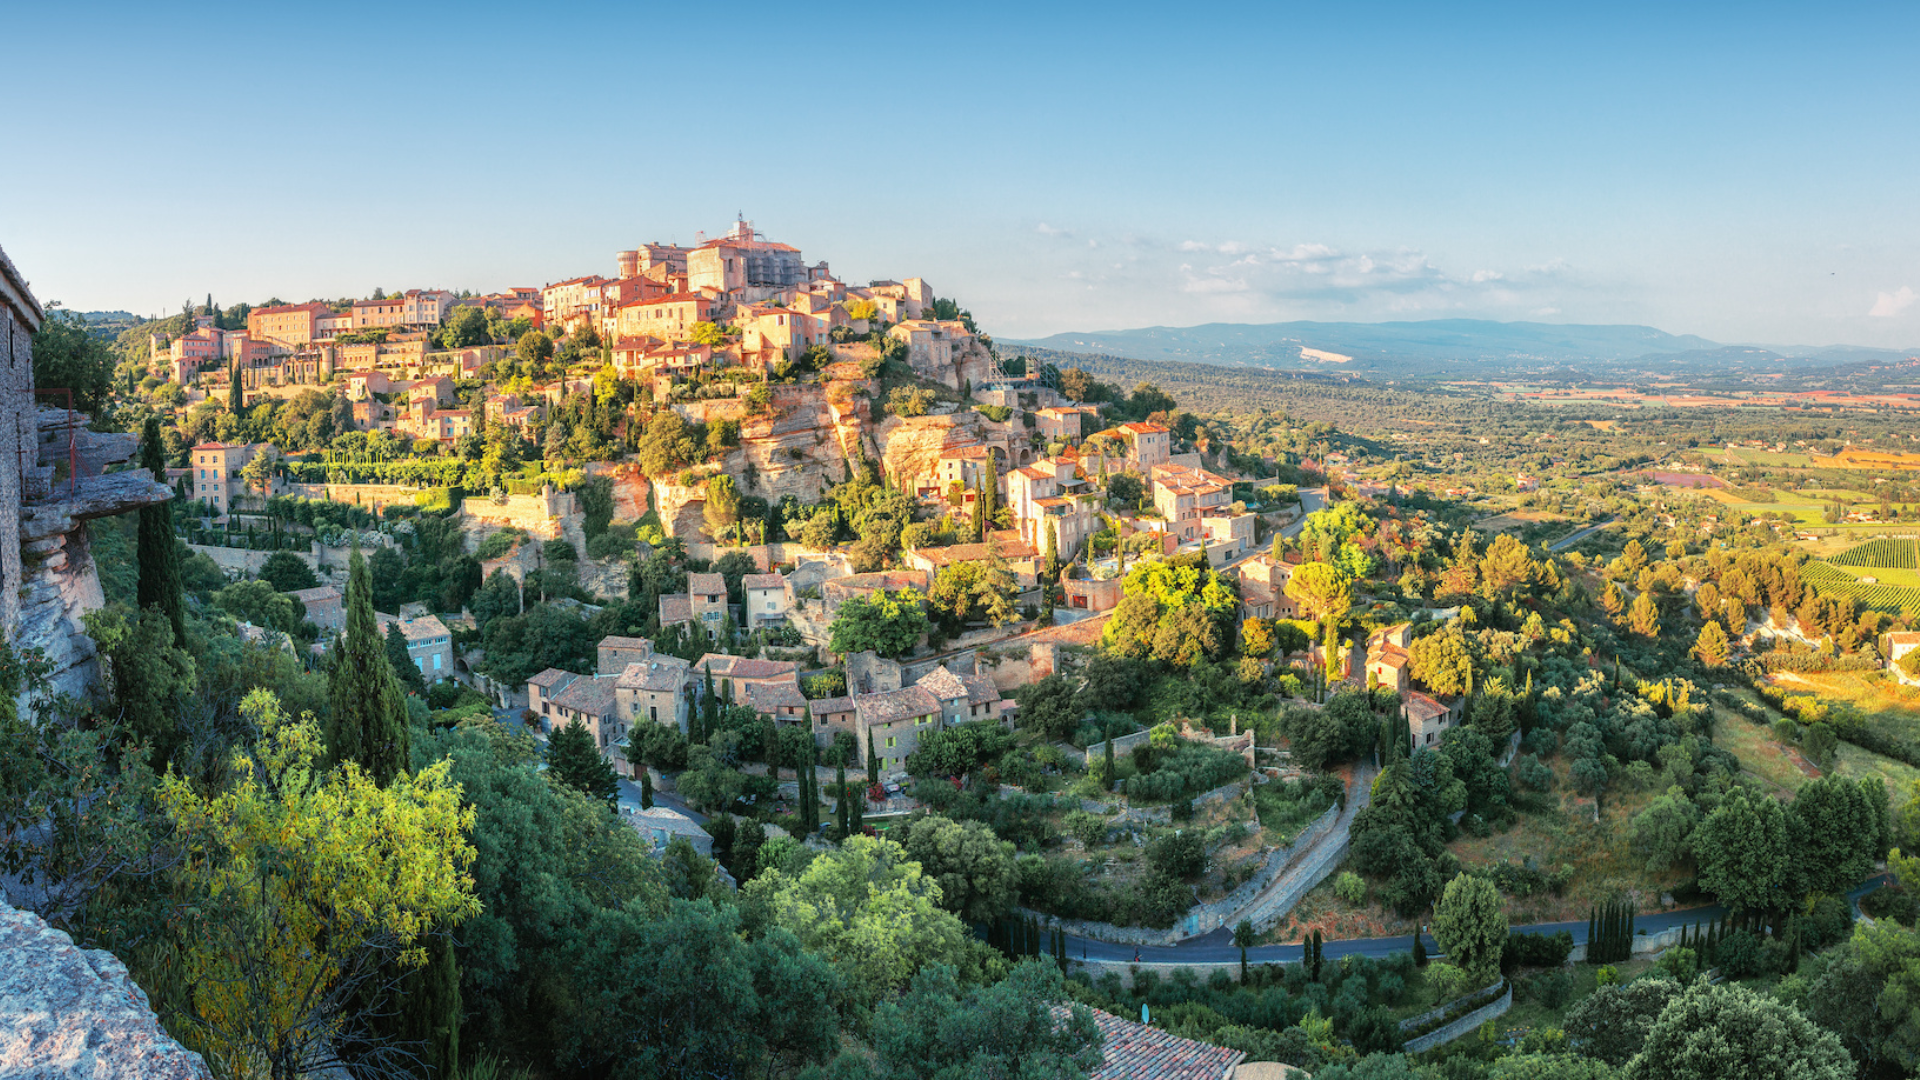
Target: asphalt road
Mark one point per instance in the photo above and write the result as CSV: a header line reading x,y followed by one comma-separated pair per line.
x,y
1217,947
1568,541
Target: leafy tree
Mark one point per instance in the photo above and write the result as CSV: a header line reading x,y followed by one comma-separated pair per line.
x,y
871,912
257,603
1712,646
708,782
1009,1029
1471,927
1836,833
1256,637
534,349
159,556
66,354
820,531
973,867
306,881
1660,832
966,591
574,760
287,572
1868,993
367,720
722,508
1321,738
1051,704
1743,852
1443,662
684,993
885,623
1730,1032
1612,1022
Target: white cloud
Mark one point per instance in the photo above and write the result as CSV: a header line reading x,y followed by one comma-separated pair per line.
x,y
1488,275
1045,229
1890,304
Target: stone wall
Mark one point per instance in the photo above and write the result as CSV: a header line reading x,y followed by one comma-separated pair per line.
x,y
525,512
1467,1023
72,1012
20,316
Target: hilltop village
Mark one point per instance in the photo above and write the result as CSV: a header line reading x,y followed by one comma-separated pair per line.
x,y
714,586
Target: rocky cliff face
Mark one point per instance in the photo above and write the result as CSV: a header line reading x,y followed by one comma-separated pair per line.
x,y
59,582
72,1012
909,448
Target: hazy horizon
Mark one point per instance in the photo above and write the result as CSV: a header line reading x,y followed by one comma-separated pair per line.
x,y
1739,175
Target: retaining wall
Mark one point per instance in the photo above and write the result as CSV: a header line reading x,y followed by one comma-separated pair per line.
x,y
1467,1023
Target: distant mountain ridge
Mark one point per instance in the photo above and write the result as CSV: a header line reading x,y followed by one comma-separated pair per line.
x,y
1448,347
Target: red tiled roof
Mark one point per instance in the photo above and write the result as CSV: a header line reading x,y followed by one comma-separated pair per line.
x,y
1133,1051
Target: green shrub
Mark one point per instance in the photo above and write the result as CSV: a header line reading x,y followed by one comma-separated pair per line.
x,y
1350,887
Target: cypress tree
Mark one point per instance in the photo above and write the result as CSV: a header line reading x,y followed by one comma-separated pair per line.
x,y
1110,765
843,813
1593,943
860,810
159,566
401,662
873,764
1419,950
367,721
429,1010
236,397
646,789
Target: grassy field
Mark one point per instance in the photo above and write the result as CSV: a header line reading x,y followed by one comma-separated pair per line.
x,y
1887,704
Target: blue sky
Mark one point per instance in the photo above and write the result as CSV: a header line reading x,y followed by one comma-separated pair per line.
x,y
1744,173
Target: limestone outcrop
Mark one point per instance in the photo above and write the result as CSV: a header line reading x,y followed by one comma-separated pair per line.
x,y
59,582
68,1012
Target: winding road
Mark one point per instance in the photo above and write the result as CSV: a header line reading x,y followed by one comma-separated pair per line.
x,y
1217,947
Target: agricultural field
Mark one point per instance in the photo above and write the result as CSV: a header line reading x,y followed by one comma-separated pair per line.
x,y
1883,554
1889,590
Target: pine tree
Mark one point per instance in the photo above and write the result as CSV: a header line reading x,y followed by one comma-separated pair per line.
x,y
367,718
159,563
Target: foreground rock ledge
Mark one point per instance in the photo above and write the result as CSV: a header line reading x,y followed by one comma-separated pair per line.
x,y
72,1012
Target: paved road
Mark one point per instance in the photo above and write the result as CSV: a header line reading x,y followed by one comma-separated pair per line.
x,y
1217,947
1568,541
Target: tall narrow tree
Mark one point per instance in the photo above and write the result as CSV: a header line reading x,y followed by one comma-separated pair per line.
x,y
236,397
367,722
159,566
842,813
